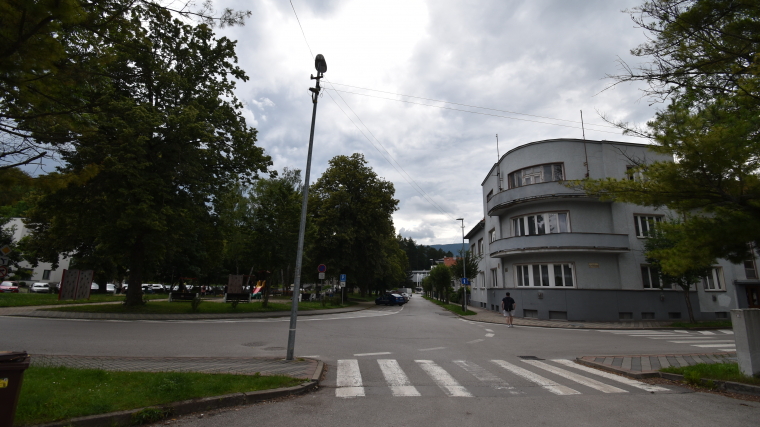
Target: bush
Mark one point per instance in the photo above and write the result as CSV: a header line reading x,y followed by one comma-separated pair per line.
x,y
234,303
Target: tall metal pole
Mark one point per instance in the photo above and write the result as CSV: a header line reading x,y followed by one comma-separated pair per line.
x,y
464,268
302,228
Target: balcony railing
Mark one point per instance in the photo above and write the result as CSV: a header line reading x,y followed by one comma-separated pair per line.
x,y
505,199
560,242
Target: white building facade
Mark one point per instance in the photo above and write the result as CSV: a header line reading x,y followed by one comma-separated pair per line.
x,y
564,255
44,272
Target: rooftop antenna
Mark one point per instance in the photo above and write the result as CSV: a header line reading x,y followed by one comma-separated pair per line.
x,y
582,126
498,157
584,145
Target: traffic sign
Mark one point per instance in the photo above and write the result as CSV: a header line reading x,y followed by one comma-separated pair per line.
x,y
342,277
465,281
322,268
3,271
5,250
321,276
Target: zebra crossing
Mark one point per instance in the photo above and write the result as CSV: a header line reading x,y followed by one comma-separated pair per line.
x,y
721,340
464,378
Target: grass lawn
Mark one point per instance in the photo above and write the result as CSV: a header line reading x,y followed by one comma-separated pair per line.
x,y
709,324
20,300
368,297
454,308
717,371
206,307
56,393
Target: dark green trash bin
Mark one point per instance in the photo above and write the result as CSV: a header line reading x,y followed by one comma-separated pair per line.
x,y
12,367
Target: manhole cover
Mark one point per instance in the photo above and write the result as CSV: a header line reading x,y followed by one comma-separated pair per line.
x,y
273,348
529,358
254,344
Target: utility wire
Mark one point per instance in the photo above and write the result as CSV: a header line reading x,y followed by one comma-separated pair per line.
x,y
409,180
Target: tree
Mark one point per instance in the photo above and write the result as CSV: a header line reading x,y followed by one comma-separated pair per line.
x,y
440,279
170,139
351,208
662,246
467,263
704,62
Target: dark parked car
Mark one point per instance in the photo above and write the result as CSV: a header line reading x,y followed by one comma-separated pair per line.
x,y
390,299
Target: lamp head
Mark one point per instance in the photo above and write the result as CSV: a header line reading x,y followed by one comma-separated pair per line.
x,y
460,219
320,64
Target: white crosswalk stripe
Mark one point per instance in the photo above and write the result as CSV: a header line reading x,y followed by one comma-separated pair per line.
x,y
537,379
700,339
396,378
706,332
349,379
727,332
609,376
580,379
443,379
485,376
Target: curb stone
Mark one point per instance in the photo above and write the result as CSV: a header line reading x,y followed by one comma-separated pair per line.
x,y
731,386
124,418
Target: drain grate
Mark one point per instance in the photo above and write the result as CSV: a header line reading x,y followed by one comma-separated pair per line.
x,y
529,358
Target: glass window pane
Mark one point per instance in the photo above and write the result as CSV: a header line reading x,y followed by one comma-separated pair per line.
x,y
547,173
553,226
518,180
749,269
536,275
544,275
519,275
557,176
528,180
515,227
557,274
655,278
645,277
568,274
711,279
540,224
526,276
563,223
719,278
532,225
636,224
644,226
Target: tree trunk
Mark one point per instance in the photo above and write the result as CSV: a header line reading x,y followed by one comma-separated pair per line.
x,y
265,291
134,291
688,303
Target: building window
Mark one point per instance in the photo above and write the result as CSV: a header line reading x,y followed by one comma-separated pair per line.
x,y
492,235
472,250
542,223
45,274
480,247
632,173
643,224
557,275
494,278
750,271
650,278
535,175
714,280
481,280
490,194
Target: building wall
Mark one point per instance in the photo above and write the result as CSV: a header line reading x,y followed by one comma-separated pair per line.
x,y
19,231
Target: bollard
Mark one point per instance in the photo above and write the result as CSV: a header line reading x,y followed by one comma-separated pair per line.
x,y
746,323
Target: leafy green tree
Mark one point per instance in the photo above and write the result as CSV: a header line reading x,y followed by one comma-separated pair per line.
x,y
351,208
170,139
440,279
704,62
662,246
467,263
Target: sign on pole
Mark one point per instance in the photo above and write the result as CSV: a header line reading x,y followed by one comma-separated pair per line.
x,y
465,281
342,277
321,276
322,268
3,271
5,250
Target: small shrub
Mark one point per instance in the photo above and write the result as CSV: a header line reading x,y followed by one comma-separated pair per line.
x,y
234,303
195,304
149,415
693,378
335,301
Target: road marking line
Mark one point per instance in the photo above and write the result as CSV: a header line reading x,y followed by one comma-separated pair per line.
x,y
714,345
372,354
727,332
580,379
474,341
431,349
489,330
489,335
446,382
485,376
706,332
727,349
396,378
315,357
703,341
349,382
681,332
530,376
679,337
609,376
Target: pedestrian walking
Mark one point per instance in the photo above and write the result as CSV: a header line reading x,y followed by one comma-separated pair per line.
x,y
508,306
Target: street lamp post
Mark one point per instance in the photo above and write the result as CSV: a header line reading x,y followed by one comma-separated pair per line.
x,y
321,66
464,269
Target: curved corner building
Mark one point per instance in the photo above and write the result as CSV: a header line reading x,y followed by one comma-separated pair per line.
x,y
567,256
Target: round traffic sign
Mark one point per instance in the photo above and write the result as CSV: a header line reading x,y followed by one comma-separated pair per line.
x,y
3,271
322,268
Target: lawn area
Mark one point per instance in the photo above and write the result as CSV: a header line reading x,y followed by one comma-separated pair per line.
x,y
454,308
206,307
716,371
56,393
708,324
22,300
368,297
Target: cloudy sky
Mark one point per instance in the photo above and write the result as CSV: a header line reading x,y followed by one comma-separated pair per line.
x,y
536,58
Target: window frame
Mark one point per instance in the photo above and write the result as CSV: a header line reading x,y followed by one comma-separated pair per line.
x,y
716,272
511,175
648,277
46,274
494,278
547,274
637,225
480,247
492,235
526,223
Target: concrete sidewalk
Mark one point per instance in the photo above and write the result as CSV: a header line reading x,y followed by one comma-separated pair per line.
x,y
303,368
644,366
39,311
487,316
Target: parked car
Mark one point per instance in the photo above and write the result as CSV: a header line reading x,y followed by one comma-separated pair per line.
x,y
157,287
110,288
9,287
40,288
390,299
94,286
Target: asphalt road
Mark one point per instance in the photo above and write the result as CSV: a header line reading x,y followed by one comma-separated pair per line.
x,y
416,365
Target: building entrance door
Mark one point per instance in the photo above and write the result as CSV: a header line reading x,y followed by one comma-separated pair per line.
x,y
753,296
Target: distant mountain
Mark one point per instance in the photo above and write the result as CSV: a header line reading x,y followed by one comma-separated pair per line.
x,y
453,247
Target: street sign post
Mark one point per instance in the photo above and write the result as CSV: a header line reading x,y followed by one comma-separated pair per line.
x,y
322,268
3,271
465,281
342,285
321,276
